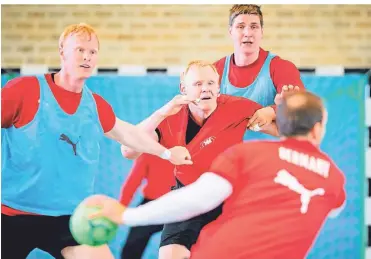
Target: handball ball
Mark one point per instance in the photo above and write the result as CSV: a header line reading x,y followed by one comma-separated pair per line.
x,y
92,232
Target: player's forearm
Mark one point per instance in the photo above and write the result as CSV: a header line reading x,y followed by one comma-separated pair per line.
x,y
151,123
135,138
141,142
148,125
204,195
129,153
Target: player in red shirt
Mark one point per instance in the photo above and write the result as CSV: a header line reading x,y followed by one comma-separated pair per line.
x,y
51,126
206,128
251,71
277,193
159,177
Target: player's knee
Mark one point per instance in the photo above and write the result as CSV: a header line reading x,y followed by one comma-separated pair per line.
x,y
174,252
87,252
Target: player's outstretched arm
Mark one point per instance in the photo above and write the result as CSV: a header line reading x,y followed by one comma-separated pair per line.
x,y
286,77
285,74
208,192
261,118
132,154
150,124
138,140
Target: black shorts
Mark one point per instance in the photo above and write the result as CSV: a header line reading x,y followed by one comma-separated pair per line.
x,y
186,232
21,234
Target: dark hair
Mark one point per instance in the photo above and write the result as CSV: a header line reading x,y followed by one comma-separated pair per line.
x,y
298,113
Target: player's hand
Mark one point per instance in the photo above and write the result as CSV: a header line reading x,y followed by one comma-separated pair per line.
x,y
175,105
110,208
285,90
180,156
261,118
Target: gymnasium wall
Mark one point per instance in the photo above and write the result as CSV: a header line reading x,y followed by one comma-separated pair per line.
x,y
168,35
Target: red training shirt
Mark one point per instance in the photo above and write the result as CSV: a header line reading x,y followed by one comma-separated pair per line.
x,y
158,173
282,72
224,128
265,216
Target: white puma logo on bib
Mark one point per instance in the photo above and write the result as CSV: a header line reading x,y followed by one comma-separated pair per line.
x,y
286,179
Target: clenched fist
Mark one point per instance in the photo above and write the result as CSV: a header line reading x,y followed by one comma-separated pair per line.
x,y
180,156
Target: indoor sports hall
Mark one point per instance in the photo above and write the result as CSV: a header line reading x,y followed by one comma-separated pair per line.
x,y
143,49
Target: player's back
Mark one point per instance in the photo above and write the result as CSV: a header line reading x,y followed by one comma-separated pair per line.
x,y
282,193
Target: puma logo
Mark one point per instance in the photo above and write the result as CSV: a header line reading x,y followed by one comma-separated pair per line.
x,y
63,137
286,179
